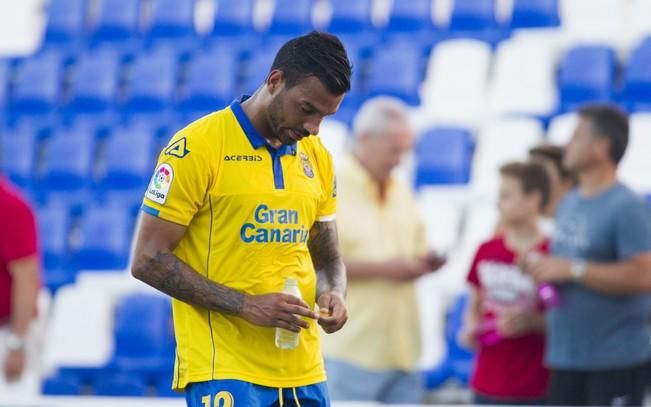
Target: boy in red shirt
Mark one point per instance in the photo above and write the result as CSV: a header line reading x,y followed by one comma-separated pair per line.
x,y
504,319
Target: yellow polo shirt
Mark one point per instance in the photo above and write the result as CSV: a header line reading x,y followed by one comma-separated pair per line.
x,y
383,331
248,209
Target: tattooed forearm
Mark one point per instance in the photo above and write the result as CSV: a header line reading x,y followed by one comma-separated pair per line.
x,y
329,266
167,273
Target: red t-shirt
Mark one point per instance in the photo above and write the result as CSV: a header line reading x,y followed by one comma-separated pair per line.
x,y
512,368
17,240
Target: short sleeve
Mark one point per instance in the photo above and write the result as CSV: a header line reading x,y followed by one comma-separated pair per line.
x,y
180,181
328,205
21,240
633,230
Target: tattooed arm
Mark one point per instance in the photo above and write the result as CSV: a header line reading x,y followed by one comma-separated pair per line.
x,y
331,275
155,264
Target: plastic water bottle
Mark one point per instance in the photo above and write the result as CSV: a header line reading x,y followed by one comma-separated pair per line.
x,y
287,339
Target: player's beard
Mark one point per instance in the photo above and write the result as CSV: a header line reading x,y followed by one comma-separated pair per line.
x,y
275,116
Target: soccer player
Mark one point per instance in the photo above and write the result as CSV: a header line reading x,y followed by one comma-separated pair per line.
x,y
503,320
599,343
241,200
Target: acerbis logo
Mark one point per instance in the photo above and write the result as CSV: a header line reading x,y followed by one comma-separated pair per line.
x,y
250,158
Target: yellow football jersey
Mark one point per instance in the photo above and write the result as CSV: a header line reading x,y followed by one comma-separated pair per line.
x,y
248,209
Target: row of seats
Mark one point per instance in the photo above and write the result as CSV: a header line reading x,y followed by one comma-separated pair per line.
x,y
119,20
141,357
155,81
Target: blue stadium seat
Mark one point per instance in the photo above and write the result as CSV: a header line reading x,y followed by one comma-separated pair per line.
x,y
396,70
234,17
350,16
172,19
128,159
211,80
61,384
37,85
104,239
68,161
475,19
586,74
637,78
65,21
54,226
291,17
443,156
534,14
151,83
117,20
410,16
258,68
95,82
143,346
120,385
4,81
18,148
458,362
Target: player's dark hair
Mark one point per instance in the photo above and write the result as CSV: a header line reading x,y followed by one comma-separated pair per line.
x,y
315,54
553,154
608,122
532,178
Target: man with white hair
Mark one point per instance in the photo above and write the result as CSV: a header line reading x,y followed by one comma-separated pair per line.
x,y
383,245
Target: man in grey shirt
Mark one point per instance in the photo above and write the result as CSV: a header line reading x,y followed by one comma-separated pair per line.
x,y
598,338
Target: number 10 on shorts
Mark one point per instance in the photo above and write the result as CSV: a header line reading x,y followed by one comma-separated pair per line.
x,y
222,399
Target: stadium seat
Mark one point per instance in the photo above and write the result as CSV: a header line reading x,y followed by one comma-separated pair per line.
x,y
54,226
61,384
586,74
637,78
455,87
128,159
499,142
65,21
143,346
4,81
523,80
534,14
18,148
152,82
120,385
117,20
291,17
443,156
68,161
172,19
561,128
475,19
396,70
458,362
257,68
595,22
211,80
635,167
410,16
234,17
37,85
104,240
95,82
350,16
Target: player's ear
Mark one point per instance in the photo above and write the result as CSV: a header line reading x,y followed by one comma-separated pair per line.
x,y
275,81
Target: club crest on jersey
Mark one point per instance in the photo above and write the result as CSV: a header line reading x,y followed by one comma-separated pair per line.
x,y
307,167
160,184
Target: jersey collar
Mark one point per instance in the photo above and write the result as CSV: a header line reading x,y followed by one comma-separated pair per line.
x,y
252,134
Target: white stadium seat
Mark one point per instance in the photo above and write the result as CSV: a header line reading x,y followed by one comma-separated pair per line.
x,y
635,168
561,128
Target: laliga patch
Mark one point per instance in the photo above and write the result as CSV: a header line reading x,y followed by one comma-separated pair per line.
x,y
159,186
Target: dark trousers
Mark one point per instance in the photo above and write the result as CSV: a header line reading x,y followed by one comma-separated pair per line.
x,y
613,387
480,400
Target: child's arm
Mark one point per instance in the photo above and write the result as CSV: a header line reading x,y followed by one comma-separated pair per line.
x,y
468,333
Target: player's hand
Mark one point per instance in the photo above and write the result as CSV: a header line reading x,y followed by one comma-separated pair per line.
x,y
468,337
332,311
512,323
14,365
277,310
548,269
